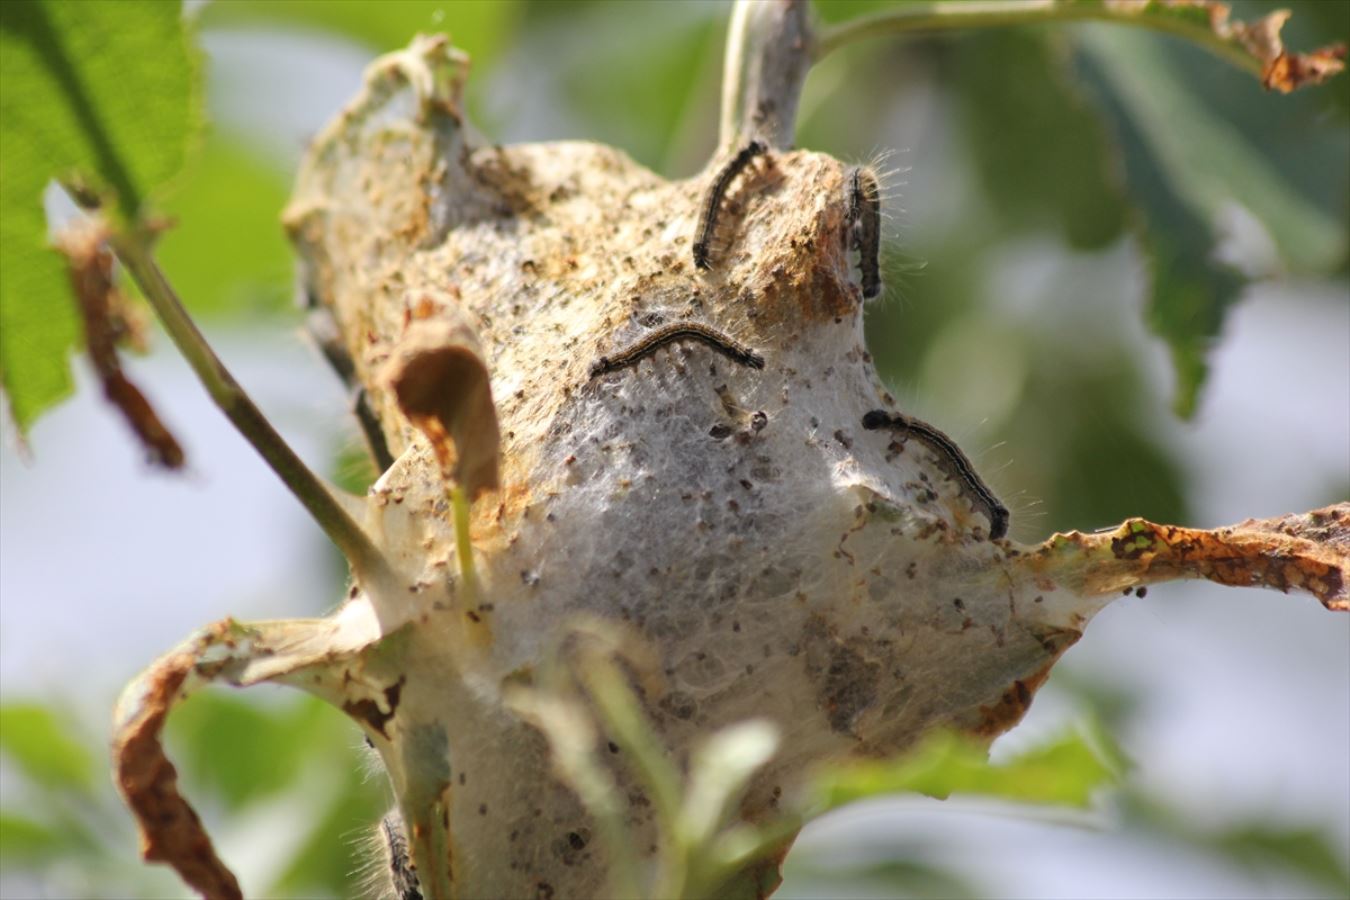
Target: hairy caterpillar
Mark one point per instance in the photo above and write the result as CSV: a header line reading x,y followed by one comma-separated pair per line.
x,y
864,211
673,333
950,458
712,203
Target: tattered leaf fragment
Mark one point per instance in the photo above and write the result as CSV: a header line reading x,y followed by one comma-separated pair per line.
x,y
90,266
1259,40
442,385
1308,551
171,830
1065,772
105,90
237,654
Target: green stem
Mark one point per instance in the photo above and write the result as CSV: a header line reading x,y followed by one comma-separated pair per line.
x,y
317,498
621,714
927,18
459,502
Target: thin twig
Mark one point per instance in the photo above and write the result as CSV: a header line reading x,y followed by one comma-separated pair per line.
x,y
316,496
767,57
920,18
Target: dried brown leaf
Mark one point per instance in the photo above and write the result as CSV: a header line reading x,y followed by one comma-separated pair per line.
x,y
171,831
1307,551
104,313
441,383
1280,70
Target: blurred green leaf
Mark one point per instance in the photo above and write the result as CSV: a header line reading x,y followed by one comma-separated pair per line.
x,y
244,751
336,846
1065,772
1205,159
479,27
844,10
353,470
1112,703
106,90
1304,851
1191,290
44,747
1039,148
227,253
907,877
1184,166
24,842
669,61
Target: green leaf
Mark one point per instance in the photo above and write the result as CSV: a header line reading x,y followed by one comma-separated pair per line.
x,y
106,90
38,322
43,747
1191,289
1065,772
243,750
1207,160
25,843
1258,846
335,847
845,10
1185,167
908,876
353,471
1038,146
481,29
678,55
1304,851
227,253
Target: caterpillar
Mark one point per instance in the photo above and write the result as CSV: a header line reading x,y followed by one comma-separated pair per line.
x,y
864,212
402,872
712,203
668,334
950,458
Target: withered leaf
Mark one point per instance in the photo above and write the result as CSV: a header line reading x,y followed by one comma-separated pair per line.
x,y
104,314
441,382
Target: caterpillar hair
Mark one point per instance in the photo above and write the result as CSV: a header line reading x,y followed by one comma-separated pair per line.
x,y
950,458
712,203
673,333
864,212
402,873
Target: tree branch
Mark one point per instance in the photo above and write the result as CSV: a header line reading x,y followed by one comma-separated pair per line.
x,y
767,58
1254,47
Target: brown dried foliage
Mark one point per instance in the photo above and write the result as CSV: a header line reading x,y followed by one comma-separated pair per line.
x,y
1280,70
106,316
171,831
441,383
